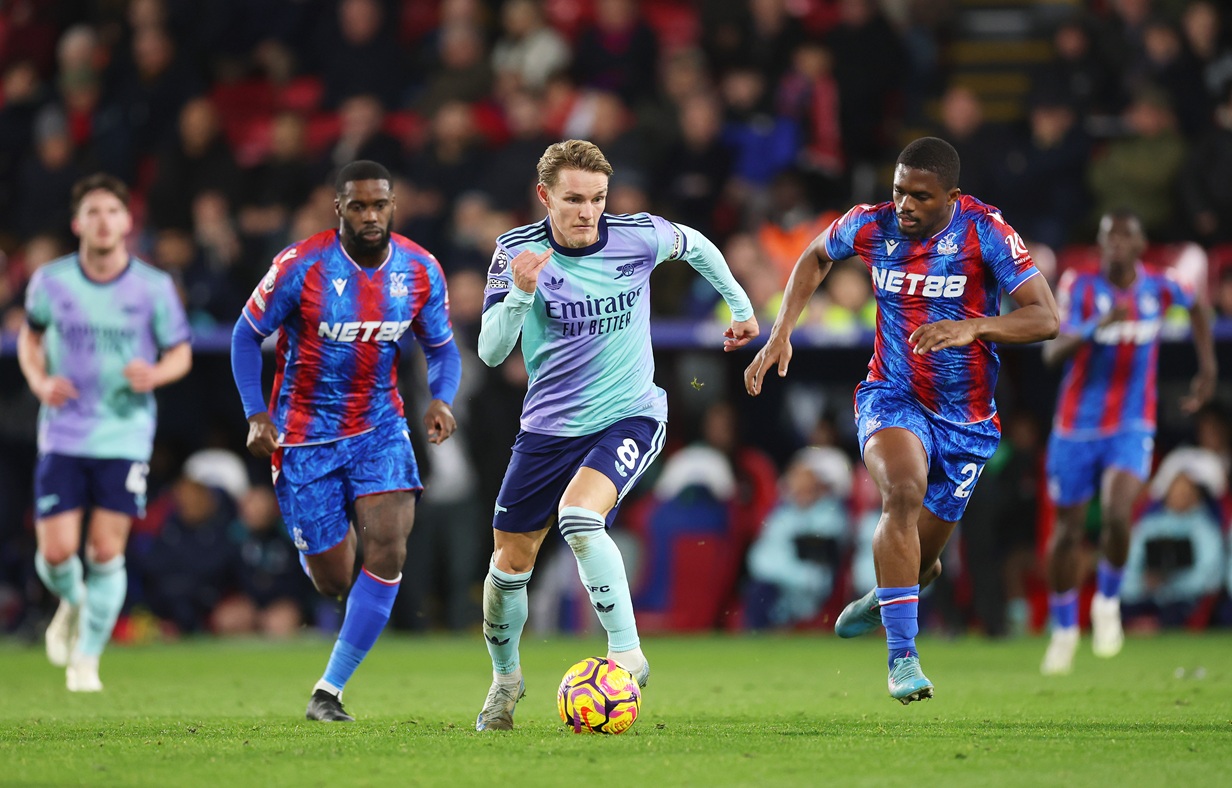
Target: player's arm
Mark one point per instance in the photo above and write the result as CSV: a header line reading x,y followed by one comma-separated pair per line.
x,y
707,260
1203,386
503,318
52,390
246,369
175,362
1034,320
444,375
806,277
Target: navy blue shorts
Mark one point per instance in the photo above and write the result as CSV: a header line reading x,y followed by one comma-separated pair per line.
x,y
63,483
956,452
543,465
317,485
1076,467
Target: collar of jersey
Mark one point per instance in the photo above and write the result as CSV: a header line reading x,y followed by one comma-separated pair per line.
x,y
585,250
103,282
356,267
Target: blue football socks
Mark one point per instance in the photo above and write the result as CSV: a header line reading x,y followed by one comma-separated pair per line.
x,y
1108,579
1064,608
106,587
65,579
505,609
900,610
602,570
367,612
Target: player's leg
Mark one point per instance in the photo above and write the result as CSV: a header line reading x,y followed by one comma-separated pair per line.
x,y
619,457
1129,467
59,494
1072,470
539,469
106,588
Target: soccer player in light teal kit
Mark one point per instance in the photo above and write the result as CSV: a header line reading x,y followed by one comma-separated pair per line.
x,y
103,330
576,287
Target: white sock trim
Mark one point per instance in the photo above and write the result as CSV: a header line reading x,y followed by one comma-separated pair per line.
x,y
330,688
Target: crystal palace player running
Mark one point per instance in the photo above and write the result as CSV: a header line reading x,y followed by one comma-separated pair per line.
x,y
576,287
1103,434
925,414
337,435
103,331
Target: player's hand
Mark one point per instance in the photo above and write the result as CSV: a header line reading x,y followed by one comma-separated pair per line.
x,y
526,267
740,333
140,376
54,391
262,436
776,351
940,335
439,422
1201,389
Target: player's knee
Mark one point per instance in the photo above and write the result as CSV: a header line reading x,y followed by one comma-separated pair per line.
x,y
56,553
331,585
904,498
931,573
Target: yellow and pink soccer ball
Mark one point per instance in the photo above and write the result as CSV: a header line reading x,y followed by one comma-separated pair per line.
x,y
597,696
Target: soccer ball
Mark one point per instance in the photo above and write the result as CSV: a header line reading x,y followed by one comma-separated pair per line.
x,y
597,696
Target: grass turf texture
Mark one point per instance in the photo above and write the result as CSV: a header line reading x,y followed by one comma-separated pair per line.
x,y
803,710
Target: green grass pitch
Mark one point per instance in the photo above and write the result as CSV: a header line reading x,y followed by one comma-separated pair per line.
x,y
799,710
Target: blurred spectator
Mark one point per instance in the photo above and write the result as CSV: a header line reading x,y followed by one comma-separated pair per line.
x,y
696,168
1040,183
808,93
759,279
617,52
603,118
271,589
463,73
1206,180
1139,172
1120,40
360,55
1176,551
192,563
272,191
198,162
22,95
1213,432
1171,67
528,51
791,223
453,158
46,179
1078,72
1206,36
801,548
510,180
762,143
980,148
362,137
848,307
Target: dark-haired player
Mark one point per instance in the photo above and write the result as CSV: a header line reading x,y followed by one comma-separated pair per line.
x,y
335,429
103,330
925,414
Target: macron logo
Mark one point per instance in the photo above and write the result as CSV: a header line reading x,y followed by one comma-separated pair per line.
x,y
339,285
891,246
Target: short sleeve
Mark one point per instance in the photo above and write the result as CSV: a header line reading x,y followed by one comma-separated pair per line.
x,y
1004,252
277,295
431,324
1177,292
170,324
38,303
499,278
839,239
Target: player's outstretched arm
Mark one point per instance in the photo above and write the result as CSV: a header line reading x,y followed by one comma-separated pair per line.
x,y
51,390
1203,386
806,277
707,260
1034,320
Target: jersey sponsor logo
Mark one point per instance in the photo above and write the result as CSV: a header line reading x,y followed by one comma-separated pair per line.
x,y
367,331
891,246
947,245
1018,249
928,286
339,285
258,299
497,284
592,315
271,276
627,269
554,284
500,261
397,285
1129,332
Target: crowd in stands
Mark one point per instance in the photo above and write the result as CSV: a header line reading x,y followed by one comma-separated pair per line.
x,y
755,122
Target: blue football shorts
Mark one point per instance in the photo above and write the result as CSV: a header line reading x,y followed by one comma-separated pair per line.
x,y
317,485
543,465
63,483
1075,467
956,452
